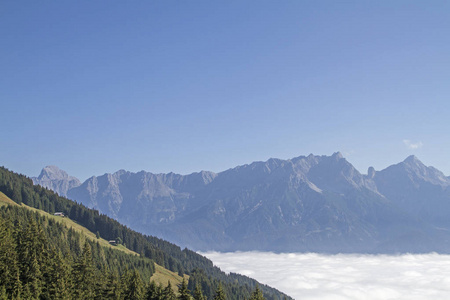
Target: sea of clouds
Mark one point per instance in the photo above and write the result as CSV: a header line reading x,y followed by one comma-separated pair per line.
x,y
344,276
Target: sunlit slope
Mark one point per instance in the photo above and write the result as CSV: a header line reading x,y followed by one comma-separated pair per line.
x,y
69,224
4,200
161,276
21,190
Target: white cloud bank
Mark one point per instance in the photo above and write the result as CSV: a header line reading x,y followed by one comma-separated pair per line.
x,y
344,276
411,145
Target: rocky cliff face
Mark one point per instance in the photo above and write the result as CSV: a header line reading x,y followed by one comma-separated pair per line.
x,y
57,180
308,203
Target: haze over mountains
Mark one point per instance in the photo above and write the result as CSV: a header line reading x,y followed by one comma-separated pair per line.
x,y
308,203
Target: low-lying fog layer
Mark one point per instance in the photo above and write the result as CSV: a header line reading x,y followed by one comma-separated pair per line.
x,y
344,276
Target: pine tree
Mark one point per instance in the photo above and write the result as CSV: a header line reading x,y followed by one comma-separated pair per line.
x,y
220,294
83,274
58,282
101,279
154,292
30,249
257,294
134,287
184,292
9,269
168,293
198,295
3,295
113,288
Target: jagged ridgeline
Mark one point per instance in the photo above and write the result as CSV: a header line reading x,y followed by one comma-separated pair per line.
x,y
41,258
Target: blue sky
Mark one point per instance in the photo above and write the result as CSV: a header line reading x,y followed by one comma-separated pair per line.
x,y
184,86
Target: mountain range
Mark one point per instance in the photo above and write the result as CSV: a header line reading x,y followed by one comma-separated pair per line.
x,y
307,203
33,232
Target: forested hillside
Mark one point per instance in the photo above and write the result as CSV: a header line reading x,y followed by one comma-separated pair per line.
x,y
42,259
36,249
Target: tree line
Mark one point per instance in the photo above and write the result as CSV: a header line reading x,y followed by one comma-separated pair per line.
x,y
36,264
202,273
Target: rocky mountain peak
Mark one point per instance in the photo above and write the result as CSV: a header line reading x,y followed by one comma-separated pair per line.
x,y
56,179
207,176
371,172
308,201
53,173
412,160
337,155
414,171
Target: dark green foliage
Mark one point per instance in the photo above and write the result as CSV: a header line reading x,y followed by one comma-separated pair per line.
x,y
3,294
183,291
220,294
168,293
42,259
58,278
154,292
32,258
9,263
83,274
134,288
198,295
35,276
257,294
112,288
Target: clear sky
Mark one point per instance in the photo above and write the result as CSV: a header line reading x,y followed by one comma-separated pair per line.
x,y
184,86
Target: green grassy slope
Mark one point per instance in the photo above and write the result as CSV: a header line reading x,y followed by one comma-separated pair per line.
x,y
86,222
69,224
4,200
161,276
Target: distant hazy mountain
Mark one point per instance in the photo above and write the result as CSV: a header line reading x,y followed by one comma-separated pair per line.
x,y
57,180
419,190
313,203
